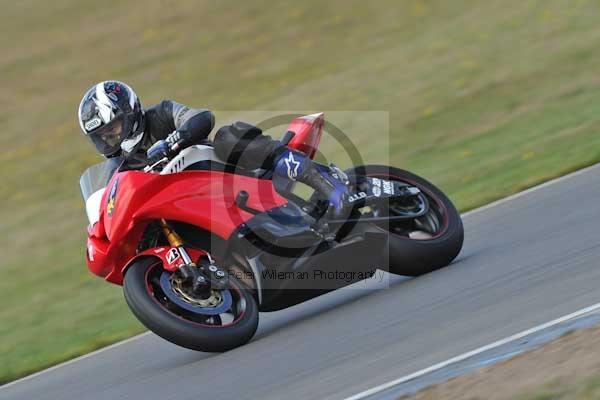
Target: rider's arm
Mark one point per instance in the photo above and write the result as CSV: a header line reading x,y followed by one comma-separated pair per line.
x,y
171,127
192,125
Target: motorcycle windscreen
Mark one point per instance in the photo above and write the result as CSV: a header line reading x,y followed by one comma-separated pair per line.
x,y
93,183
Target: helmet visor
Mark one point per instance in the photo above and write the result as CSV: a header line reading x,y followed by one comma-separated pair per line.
x,y
108,138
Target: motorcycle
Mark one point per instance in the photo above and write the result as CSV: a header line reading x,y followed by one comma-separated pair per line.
x,y
201,246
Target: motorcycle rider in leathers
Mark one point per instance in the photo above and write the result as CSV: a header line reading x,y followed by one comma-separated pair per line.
x,y
111,116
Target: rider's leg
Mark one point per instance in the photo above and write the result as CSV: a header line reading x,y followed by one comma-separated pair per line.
x,y
297,166
245,145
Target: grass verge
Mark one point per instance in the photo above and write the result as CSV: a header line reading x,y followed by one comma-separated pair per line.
x,y
564,369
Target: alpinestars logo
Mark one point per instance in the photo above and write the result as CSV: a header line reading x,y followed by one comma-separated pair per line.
x,y
292,166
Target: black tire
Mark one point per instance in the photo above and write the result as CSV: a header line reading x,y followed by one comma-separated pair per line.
x,y
176,329
416,257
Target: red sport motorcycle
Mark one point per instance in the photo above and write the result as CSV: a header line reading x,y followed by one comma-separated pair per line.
x,y
201,246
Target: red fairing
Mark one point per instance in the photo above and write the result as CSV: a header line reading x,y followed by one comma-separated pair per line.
x,y
308,130
169,263
133,199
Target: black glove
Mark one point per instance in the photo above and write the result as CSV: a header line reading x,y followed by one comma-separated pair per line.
x,y
179,140
158,151
169,147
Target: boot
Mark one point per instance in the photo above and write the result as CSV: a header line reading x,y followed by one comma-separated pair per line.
x,y
298,167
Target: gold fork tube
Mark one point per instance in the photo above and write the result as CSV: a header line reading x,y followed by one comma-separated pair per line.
x,y
172,236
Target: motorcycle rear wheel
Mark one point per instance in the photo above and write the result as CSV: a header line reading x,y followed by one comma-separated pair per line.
x,y
195,331
427,243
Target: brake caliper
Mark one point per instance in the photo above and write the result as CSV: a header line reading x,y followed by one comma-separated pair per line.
x,y
202,278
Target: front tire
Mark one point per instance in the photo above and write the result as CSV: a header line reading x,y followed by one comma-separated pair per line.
x,y
417,254
193,331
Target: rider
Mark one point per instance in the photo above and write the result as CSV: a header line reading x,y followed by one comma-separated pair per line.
x,y
112,117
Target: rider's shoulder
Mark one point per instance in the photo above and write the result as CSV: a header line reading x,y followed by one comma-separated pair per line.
x,y
163,106
162,111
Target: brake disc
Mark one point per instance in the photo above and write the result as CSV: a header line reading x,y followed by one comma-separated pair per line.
x,y
217,303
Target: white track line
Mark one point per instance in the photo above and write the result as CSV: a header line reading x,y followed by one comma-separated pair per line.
x,y
74,360
462,357
477,210
531,189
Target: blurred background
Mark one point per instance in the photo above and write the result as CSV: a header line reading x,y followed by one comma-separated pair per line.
x,y
484,99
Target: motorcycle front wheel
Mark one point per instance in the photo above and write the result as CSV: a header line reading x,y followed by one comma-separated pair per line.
x,y
225,320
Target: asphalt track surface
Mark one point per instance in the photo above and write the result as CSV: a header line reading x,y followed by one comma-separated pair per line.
x,y
526,260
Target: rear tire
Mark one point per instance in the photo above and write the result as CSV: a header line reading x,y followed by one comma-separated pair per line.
x,y
175,328
413,257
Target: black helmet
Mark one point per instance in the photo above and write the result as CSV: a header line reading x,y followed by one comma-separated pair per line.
x,y
111,115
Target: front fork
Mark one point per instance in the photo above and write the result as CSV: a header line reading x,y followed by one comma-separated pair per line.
x,y
201,278
176,241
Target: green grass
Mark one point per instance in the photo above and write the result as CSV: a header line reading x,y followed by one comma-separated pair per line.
x,y
584,389
484,99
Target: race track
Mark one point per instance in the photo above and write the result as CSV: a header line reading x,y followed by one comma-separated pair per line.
x,y
526,260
